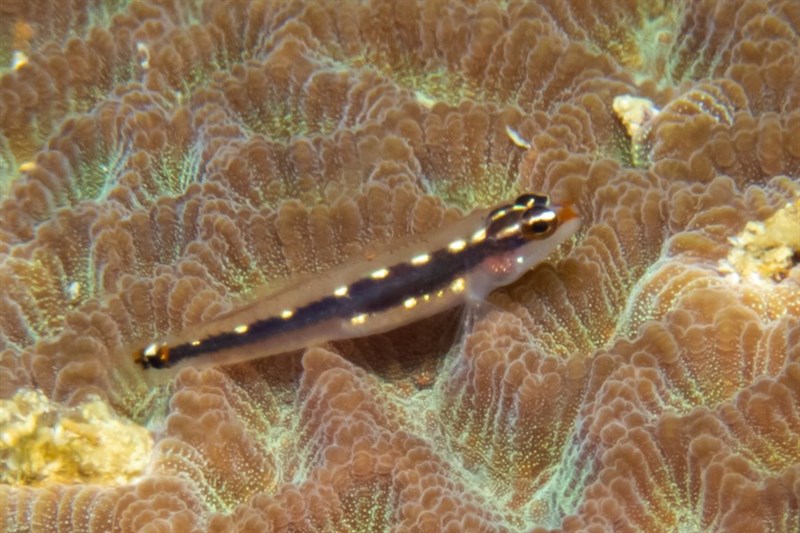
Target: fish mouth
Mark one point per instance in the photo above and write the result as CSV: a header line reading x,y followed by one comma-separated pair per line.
x,y
567,212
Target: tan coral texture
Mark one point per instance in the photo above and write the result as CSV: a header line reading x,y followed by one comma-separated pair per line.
x,y
161,160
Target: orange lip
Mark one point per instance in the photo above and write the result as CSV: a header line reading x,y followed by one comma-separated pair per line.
x,y
567,213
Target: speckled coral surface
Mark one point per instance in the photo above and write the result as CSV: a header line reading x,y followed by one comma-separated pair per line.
x,y
160,160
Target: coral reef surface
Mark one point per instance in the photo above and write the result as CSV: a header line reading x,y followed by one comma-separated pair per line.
x,y
161,160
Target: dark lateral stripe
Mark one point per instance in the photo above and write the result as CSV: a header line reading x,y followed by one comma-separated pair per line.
x,y
318,311
367,295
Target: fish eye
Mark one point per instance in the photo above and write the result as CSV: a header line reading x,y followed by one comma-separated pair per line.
x,y
529,200
539,223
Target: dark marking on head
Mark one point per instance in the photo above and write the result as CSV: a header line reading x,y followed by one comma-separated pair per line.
x,y
529,200
498,212
496,226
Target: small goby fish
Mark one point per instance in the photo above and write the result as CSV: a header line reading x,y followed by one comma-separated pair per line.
x,y
463,261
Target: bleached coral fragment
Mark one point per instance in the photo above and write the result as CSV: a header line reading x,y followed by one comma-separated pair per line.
x,y
44,442
766,251
424,99
19,59
516,138
74,291
144,54
634,112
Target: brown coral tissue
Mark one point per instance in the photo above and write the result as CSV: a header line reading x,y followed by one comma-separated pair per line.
x,y
162,160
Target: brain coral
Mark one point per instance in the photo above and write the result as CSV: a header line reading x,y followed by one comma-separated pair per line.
x,y
163,159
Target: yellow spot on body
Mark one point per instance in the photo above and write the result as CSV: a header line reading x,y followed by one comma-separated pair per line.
x,y
427,297
457,246
341,291
458,285
479,236
409,303
379,274
26,166
241,328
151,350
358,319
287,313
420,259
195,343
439,294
